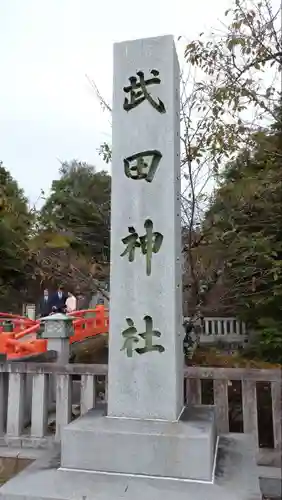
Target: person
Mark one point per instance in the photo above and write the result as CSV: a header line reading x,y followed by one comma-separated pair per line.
x,y
71,303
58,301
81,301
44,304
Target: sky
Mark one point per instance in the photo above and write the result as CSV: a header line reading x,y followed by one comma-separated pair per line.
x,y
48,110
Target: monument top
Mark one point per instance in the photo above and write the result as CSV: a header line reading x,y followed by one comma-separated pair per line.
x,y
147,40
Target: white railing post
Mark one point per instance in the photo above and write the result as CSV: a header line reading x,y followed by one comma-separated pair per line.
x,y
39,412
88,393
63,403
220,391
16,404
106,389
3,402
193,391
276,396
249,406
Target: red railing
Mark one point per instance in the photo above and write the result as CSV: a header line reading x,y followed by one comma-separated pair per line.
x,y
14,345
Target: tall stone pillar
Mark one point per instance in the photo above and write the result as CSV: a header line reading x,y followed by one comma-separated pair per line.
x,y
146,334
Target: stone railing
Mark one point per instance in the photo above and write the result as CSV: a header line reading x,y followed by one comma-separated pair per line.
x,y
249,380
229,330
26,391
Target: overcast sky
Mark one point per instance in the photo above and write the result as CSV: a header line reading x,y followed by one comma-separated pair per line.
x,y
48,110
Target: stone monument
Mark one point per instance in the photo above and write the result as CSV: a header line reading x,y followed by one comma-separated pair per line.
x,y
147,445
146,357
145,394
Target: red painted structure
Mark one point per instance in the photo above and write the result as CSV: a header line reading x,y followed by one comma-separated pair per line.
x,y
87,323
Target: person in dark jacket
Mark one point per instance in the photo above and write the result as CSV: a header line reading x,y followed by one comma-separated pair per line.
x,y
44,304
58,300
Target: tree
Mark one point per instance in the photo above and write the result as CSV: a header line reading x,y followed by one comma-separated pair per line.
x,y
226,97
78,209
247,227
15,226
230,69
235,63
57,263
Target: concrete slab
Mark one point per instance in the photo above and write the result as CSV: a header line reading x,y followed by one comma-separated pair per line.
x,y
236,478
22,453
271,487
184,449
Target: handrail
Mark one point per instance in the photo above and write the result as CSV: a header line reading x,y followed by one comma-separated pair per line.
x,y
28,331
14,316
84,327
82,384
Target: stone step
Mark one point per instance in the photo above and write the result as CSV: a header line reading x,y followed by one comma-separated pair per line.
x,y
183,449
235,479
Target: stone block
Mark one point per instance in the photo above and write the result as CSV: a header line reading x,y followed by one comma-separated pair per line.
x,y
184,449
38,442
13,442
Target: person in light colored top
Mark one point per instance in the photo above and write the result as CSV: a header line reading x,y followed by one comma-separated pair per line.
x,y
71,303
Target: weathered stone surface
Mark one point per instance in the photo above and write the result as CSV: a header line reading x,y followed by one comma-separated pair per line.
x,y
57,326
16,404
184,449
235,479
148,385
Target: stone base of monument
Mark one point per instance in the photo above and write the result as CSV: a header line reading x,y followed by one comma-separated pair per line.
x,y
235,478
185,449
112,459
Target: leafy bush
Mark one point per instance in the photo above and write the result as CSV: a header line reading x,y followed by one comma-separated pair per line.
x,y
267,345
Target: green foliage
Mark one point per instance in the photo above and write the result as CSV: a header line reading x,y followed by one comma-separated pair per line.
x,y
236,61
231,66
15,225
106,152
79,208
267,344
246,216
224,103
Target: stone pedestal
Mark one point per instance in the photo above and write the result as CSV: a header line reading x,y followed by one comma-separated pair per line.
x,y
58,329
235,478
179,450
